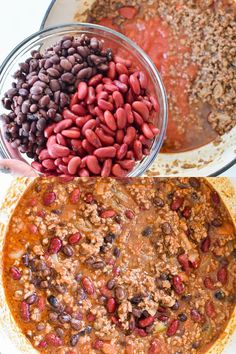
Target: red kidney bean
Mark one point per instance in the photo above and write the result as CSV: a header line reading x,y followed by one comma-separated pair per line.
x,y
66,159
134,83
148,104
110,88
176,203
215,198
82,91
75,195
118,99
62,125
129,113
138,119
87,285
178,285
143,80
121,86
99,88
92,138
122,151
127,164
121,69
76,146
172,328
154,103
49,130
209,284
91,98
206,244
106,214
222,275
121,118
107,130
63,168
147,132
210,309
184,262
105,139
142,109
61,140
74,164
120,136
112,70
83,173
123,61
74,100
81,121
95,80
107,80
49,164
93,165
186,212
138,153
124,79
53,340
51,141
25,311
37,166
140,332
102,95
15,273
110,120
196,316
74,238
118,171
42,344
155,347
44,155
105,105
55,245
106,168
111,305
145,141
71,133
89,125
129,214
67,114
87,146
146,321
57,150
91,109
49,198
98,344
105,152
130,135
78,109
58,161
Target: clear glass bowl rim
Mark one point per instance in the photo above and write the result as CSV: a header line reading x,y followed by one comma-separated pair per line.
x,y
146,163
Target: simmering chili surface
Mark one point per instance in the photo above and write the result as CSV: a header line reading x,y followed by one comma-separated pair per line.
x,y
120,265
180,50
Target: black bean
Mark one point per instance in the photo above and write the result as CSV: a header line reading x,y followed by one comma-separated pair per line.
x,y
53,301
175,307
25,260
98,265
53,72
219,295
135,300
166,228
111,283
31,299
217,222
41,124
194,182
147,231
75,324
60,332
116,252
66,64
120,293
64,317
182,317
158,202
85,73
110,237
196,345
68,78
68,251
74,339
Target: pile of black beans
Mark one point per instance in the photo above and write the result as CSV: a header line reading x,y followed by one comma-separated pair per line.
x,y
43,87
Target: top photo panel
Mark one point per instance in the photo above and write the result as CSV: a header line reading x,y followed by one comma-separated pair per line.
x,y
118,88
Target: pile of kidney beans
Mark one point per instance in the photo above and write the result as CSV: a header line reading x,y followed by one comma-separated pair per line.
x,y
78,110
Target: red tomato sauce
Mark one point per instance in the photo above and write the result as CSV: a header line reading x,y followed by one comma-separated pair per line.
x,y
188,127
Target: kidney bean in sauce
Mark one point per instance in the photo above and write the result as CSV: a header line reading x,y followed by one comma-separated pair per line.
x,y
109,270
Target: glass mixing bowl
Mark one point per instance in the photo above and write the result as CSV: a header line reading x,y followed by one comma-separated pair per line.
x,y
119,43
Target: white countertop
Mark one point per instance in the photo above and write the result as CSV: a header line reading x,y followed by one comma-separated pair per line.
x,y
19,19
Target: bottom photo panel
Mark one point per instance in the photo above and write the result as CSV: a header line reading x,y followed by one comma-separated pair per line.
x,y
117,265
